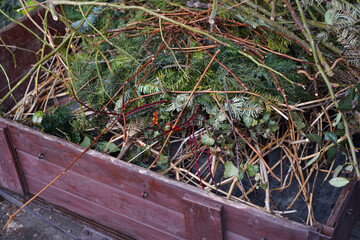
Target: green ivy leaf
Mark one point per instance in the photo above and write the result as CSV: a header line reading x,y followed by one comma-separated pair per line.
x,y
313,160
314,137
241,176
331,154
111,148
345,103
337,170
230,170
330,136
349,168
86,142
207,140
266,116
328,17
337,120
248,121
264,185
29,9
298,121
252,169
338,182
163,162
37,117
273,126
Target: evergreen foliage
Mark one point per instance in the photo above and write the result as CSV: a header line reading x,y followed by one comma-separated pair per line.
x,y
9,7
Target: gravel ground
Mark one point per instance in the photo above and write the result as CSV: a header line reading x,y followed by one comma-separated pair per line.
x,y
42,221
27,226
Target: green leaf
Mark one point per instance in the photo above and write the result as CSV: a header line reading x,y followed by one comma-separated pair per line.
x,y
349,168
111,148
314,137
29,9
345,103
252,169
266,116
330,136
339,181
337,120
86,142
230,170
313,160
273,126
207,140
328,17
163,162
248,121
264,185
298,121
241,176
37,117
337,171
331,154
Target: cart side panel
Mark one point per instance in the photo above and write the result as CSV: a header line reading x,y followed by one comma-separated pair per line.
x,y
10,176
96,181
22,51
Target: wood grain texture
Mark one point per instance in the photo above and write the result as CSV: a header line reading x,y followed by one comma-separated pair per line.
x,y
98,213
203,218
109,197
24,47
98,180
125,197
345,212
9,172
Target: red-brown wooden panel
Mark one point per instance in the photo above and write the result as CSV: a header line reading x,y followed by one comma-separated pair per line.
x,y
9,173
97,166
203,218
109,197
239,218
15,35
98,213
26,52
265,226
345,211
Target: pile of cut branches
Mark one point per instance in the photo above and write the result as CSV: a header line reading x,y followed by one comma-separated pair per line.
x,y
203,92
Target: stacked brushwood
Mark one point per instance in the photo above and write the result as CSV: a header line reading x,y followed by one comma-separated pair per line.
x,y
204,92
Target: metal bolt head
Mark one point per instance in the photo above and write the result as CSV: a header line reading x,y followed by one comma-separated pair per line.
x,y
145,194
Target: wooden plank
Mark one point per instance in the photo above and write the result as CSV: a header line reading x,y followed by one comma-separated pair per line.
x,y
24,46
15,35
97,166
240,219
9,171
346,211
109,197
203,218
98,213
254,224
